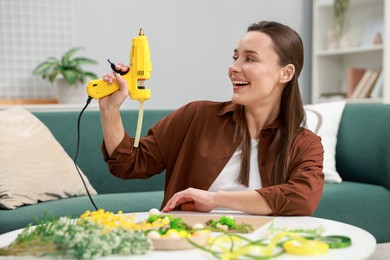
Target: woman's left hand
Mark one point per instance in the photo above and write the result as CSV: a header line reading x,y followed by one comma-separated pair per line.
x,y
192,200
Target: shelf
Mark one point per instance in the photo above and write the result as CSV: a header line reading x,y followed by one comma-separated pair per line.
x,y
40,107
329,3
350,100
330,67
352,50
27,101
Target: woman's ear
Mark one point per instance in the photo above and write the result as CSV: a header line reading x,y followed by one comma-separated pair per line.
x,y
287,73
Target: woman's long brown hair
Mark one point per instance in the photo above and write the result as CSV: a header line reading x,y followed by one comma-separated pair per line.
x,y
289,47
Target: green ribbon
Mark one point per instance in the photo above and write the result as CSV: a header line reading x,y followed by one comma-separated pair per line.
x,y
336,241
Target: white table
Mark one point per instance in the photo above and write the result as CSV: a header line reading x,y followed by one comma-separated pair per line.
x,y
363,243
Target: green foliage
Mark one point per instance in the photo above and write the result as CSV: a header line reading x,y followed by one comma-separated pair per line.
x,y
174,223
152,218
70,68
340,10
178,224
76,238
230,223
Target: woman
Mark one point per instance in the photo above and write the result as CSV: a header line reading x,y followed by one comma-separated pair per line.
x,y
248,154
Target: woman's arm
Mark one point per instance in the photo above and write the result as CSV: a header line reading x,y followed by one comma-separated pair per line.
x,y
199,200
299,196
112,126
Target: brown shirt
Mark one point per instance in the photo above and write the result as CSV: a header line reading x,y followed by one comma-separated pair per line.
x,y
195,142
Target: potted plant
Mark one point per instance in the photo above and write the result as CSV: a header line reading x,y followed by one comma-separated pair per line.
x,y
67,74
340,10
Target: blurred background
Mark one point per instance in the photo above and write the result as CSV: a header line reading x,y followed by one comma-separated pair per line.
x,y
191,42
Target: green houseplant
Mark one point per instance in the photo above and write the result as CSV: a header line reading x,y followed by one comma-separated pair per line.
x,y
67,74
68,66
340,21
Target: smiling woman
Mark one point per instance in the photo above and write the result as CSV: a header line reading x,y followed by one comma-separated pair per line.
x,y
219,154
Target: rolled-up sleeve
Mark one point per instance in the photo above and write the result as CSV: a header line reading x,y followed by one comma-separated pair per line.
x,y
301,194
128,162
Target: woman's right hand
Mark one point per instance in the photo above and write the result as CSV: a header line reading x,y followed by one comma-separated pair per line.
x,y
116,99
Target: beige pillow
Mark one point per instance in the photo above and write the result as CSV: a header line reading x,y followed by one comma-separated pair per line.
x,y
33,165
324,120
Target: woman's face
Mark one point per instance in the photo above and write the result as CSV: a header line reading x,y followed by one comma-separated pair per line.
x,y
255,72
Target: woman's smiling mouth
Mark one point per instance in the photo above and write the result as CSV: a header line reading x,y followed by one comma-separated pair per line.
x,y
240,83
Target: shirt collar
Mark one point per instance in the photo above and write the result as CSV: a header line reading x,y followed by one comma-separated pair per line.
x,y
235,109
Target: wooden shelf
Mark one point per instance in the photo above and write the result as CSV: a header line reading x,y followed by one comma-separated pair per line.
x,y
352,50
331,60
27,101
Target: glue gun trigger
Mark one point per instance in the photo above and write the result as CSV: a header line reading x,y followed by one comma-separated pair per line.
x,y
117,71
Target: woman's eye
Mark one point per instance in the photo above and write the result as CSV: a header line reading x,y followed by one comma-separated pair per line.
x,y
249,59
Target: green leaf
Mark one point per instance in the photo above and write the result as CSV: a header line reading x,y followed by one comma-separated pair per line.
x,y
52,76
70,76
43,67
83,60
67,55
91,75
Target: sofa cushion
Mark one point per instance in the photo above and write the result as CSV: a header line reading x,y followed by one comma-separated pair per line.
x,y
324,119
90,158
34,166
74,207
363,205
363,144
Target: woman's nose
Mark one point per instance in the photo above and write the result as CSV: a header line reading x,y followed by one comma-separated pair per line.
x,y
234,67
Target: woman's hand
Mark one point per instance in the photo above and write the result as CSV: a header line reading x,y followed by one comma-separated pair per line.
x,y
192,200
116,99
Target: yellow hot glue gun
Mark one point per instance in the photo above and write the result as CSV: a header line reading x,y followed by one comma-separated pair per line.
x,y
140,68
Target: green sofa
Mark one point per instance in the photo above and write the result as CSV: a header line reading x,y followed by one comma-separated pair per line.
x,y
363,161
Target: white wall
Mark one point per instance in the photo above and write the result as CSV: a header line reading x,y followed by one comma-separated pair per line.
x,y
191,42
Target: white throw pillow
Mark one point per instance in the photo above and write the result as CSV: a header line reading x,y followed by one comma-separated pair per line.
x,y
324,120
33,165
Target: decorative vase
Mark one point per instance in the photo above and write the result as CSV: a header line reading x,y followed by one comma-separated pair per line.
x,y
67,94
331,40
345,41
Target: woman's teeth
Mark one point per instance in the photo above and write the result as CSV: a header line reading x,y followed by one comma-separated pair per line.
x,y
240,83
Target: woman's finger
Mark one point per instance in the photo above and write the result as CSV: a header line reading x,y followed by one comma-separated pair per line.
x,y
108,78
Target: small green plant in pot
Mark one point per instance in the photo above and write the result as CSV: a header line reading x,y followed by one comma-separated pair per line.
x,y
70,68
67,73
340,16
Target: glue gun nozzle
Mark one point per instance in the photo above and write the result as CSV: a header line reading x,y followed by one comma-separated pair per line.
x,y
141,32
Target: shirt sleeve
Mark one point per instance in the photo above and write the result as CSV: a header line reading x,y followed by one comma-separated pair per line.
x,y
303,190
129,162
156,150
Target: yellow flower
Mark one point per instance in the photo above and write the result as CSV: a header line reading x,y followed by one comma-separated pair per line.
x,y
109,220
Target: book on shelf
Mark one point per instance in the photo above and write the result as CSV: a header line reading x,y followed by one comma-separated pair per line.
x,y
357,92
353,77
370,88
366,84
369,83
376,91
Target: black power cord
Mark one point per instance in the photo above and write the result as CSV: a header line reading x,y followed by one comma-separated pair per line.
x,y
77,151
